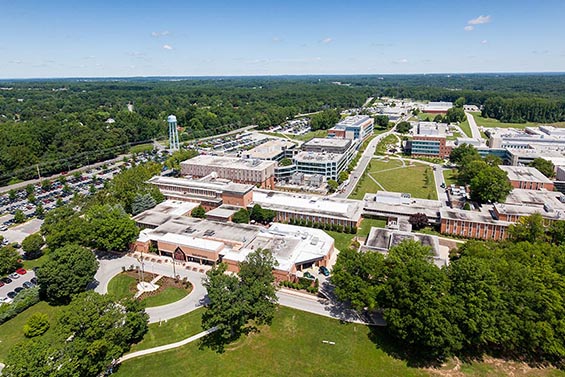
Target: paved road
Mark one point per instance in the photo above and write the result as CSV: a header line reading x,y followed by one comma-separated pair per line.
x,y
475,133
112,265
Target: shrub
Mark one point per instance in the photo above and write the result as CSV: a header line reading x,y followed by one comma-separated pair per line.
x,y
36,325
24,300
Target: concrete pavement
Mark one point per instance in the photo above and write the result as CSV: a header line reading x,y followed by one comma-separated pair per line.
x,y
475,133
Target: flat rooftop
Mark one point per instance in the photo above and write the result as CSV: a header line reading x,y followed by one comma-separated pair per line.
x,y
270,149
207,183
311,204
471,216
321,157
164,212
327,142
354,120
524,173
229,162
399,204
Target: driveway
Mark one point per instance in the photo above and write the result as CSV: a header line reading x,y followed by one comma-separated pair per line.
x,y
19,232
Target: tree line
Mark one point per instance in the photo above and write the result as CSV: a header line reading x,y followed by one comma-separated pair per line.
x,y
497,298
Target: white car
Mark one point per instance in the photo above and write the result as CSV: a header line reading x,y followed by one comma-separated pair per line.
x,y
14,276
5,300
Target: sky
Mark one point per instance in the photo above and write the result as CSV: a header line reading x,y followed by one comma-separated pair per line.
x,y
102,38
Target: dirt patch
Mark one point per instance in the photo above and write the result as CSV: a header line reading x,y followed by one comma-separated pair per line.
x,y
499,367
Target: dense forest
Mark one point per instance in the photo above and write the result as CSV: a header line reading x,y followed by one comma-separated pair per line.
x,y
56,125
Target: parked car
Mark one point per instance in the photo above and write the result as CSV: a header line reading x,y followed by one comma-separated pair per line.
x,y
6,280
11,294
324,271
33,280
21,271
27,284
5,300
308,275
18,289
2,283
15,275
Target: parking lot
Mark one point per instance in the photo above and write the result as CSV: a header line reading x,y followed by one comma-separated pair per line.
x,y
16,283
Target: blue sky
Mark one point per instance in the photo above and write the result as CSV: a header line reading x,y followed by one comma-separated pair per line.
x,y
82,38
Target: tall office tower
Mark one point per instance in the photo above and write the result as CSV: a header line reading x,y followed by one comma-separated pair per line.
x,y
173,133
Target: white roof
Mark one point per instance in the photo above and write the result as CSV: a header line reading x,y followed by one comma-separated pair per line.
x,y
193,242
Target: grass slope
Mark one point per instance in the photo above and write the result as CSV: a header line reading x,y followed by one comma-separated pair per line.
x,y
122,286
292,346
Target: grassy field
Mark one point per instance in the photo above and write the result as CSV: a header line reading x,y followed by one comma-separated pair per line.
x,y
417,179
466,128
291,346
366,224
383,145
30,264
489,122
173,330
140,148
342,240
123,286
11,332
450,176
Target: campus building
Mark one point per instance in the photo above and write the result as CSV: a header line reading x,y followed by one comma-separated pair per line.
x,y
256,172
210,242
429,140
437,107
274,150
357,127
529,178
210,192
309,208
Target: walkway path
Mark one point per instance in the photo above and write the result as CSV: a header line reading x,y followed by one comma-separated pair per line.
x,y
166,346
475,133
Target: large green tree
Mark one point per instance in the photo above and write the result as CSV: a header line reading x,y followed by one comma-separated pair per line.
x,y
110,228
32,245
464,153
546,167
9,260
67,272
490,184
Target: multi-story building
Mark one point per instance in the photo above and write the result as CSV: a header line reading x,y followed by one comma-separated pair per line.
x,y
326,164
274,150
337,146
357,127
526,177
209,192
429,140
248,171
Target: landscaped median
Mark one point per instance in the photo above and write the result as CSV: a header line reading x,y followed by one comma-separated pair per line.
x,y
165,290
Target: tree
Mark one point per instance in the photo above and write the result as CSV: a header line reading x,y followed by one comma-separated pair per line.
x,y
59,202
544,166
39,210
36,325
241,216
403,127
332,185
69,270
343,176
492,160
226,309
63,226
9,260
12,195
459,102
29,189
142,203
454,115
257,286
528,228
31,198
490,185
382,121
19,216
438,118
173,162
46,185
418,220
464,153
324,120
32,245
556,232
261,215
110,228
199,212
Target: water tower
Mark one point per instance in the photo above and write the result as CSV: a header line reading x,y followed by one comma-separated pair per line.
x,y
173,133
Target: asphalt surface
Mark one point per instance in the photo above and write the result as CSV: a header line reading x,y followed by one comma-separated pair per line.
x,y
475,132
112,265
16,283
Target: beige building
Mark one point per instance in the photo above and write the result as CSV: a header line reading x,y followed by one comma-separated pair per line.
x,y
257,172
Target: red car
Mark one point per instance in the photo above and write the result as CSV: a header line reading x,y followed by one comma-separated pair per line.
x,y
21,271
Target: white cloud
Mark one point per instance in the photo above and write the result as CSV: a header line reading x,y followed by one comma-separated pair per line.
x,y
479,20
401,61
484,42
469,28
158,34
327,40
167,47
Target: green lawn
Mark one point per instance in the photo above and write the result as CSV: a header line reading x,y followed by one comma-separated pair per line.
x,y
11,332
166,296
417,180
466,128
30,264
490,122
367,224
173,330
384,144
120,286
140,148
342,240
292,346
450,176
